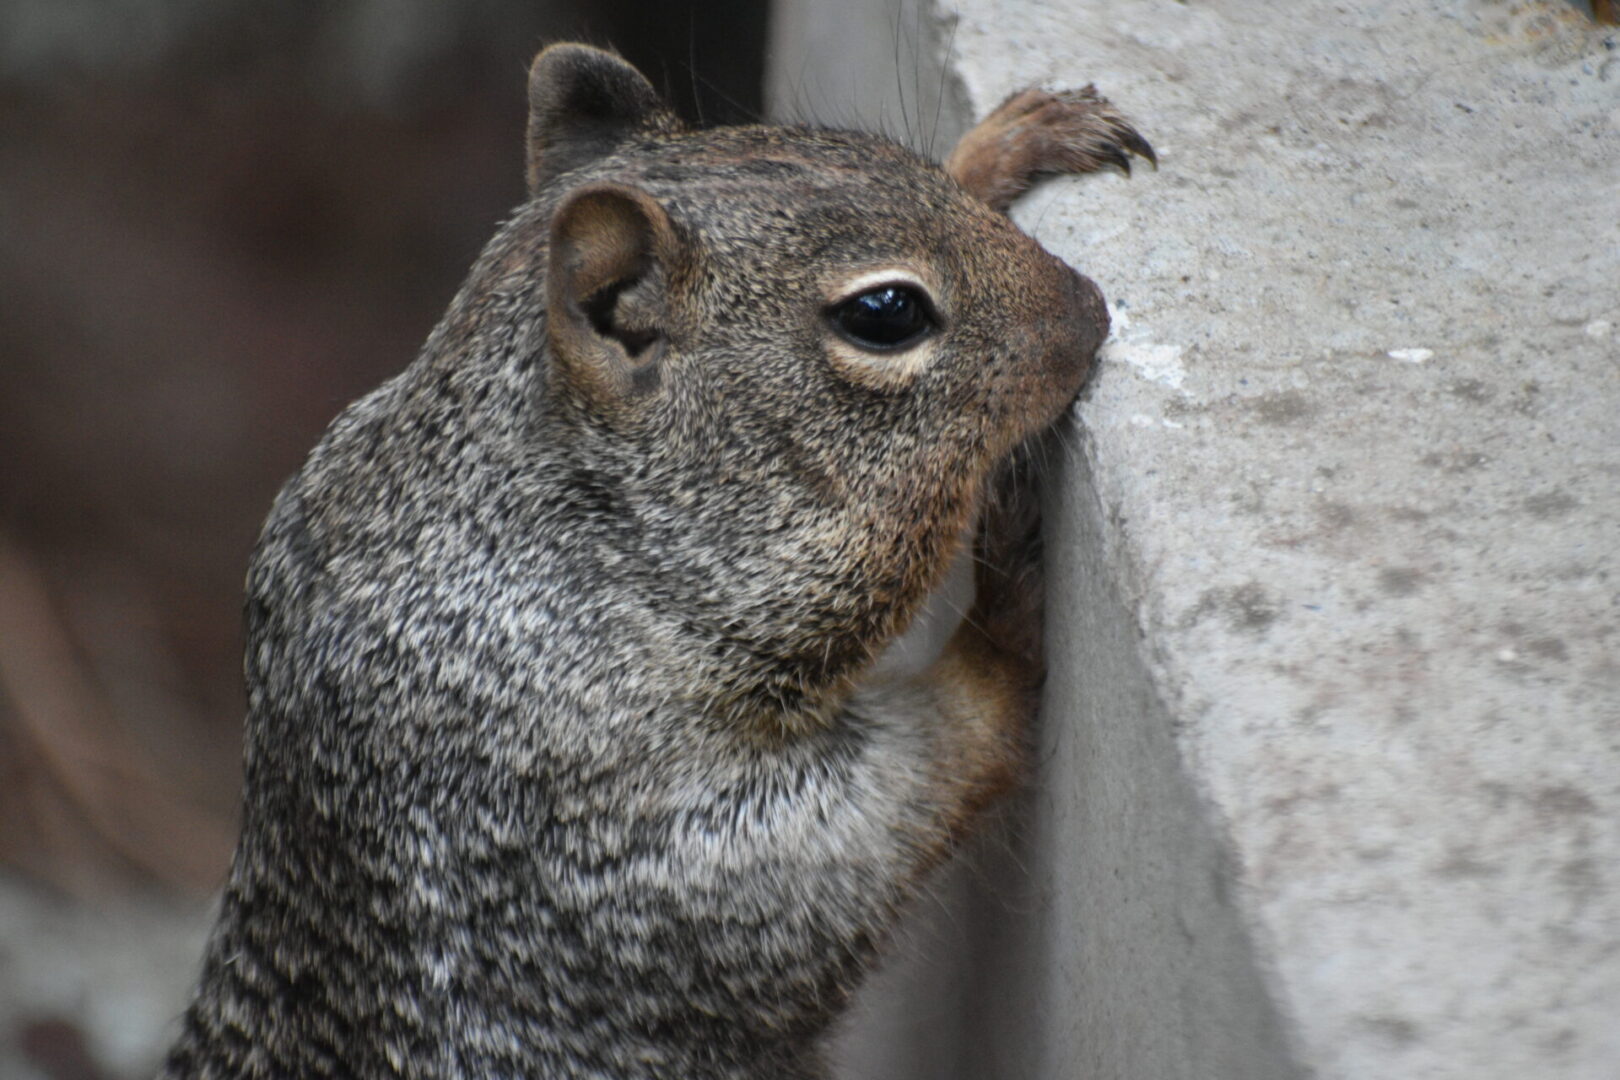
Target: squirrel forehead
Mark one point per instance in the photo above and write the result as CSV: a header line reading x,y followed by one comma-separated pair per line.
x,y
787,181
778,153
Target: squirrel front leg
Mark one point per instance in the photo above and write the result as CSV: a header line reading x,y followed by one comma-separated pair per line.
x,y
1037,132
972,708
989,678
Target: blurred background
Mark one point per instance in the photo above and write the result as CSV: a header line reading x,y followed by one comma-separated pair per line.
x,y
220,222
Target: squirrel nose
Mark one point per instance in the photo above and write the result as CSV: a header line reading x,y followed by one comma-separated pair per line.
x,y
1089,312
1079,322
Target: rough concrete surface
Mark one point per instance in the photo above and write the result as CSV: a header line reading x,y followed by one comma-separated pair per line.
x,y
1349,476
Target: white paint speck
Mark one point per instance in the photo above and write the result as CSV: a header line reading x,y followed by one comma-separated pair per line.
x,y
1159,363
1411,356
1507,656
1118,321
1598,329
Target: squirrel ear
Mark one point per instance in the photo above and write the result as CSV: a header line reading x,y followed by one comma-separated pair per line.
x,y
583,102
607,290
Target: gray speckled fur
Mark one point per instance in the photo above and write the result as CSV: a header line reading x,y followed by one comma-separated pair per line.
x,y
559,759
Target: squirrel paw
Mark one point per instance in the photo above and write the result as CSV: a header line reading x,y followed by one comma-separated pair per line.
x,y
1035,132
1009,583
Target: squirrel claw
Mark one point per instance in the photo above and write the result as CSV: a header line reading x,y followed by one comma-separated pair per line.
x,y
1132,141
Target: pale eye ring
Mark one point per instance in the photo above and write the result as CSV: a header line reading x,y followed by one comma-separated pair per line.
x,y
884,318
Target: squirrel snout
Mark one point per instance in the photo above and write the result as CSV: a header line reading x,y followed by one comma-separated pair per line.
x,y
1077,326
1089,312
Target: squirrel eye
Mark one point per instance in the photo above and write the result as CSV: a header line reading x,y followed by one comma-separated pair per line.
x,y
885,318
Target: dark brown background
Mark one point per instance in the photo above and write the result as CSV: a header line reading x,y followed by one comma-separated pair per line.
x,y
219,223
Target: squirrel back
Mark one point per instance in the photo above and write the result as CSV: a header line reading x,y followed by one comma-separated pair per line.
x,y
561,759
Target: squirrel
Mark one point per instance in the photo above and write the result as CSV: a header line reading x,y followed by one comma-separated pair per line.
x,y
564,757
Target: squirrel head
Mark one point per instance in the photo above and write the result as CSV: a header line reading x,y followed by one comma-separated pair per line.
x,y
880,304
749,382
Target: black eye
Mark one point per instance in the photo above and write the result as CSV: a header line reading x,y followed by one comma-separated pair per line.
x,y
887,317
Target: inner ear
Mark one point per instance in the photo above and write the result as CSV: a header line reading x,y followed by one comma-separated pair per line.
x,y
612,252
629,310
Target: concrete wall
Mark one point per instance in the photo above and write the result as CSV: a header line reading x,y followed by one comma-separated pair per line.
x,y
1330,769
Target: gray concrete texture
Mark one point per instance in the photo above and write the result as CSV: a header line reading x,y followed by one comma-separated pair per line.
x,y
1330,764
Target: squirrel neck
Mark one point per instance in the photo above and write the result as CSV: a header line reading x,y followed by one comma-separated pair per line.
x,y
765,611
